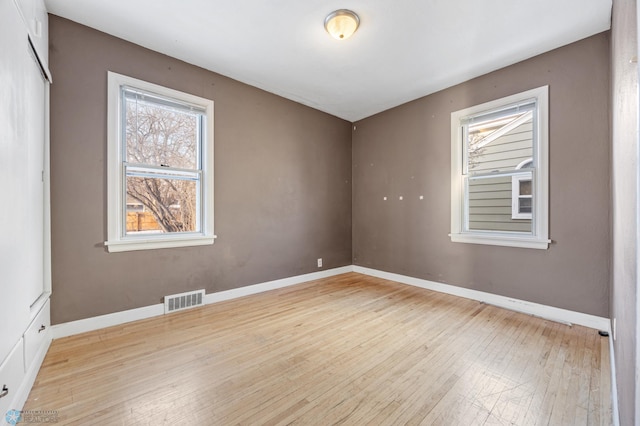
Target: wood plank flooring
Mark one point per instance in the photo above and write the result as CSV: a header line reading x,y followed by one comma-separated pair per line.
x,y
350,349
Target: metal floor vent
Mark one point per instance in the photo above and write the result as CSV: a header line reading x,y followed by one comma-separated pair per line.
x,y
182,301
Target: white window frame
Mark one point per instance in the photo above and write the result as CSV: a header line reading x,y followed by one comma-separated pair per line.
x,y
117,240
539,236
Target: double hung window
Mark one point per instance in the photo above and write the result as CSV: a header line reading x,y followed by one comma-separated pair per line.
x,y
160,175
499,172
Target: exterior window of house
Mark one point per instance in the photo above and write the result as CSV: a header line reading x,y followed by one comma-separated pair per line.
x,y
521,196
160,167
499,172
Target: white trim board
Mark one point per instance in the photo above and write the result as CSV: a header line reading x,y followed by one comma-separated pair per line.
x,y
272,285
535,309
104,321
117,318
614,384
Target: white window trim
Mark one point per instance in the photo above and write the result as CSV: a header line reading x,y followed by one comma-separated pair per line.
x,y
116,241
539,237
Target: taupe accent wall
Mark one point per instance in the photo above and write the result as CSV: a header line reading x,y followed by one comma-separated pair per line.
x,y
406,152
282,183
624,201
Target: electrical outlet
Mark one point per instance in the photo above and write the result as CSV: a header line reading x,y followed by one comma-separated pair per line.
x,y
320,263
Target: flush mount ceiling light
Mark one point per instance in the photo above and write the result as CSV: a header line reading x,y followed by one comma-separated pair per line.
x,y
341,24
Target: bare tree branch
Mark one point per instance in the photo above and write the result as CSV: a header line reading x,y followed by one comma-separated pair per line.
x,y
160,136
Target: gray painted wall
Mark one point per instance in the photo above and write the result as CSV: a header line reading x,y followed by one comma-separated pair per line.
x,y
282,183
406,152
624,279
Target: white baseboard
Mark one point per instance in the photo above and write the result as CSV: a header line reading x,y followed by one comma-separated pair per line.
x,y
272,285
103,321
535,309
117,318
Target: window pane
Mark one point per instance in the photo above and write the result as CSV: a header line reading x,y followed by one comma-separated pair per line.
x,y
525,187
169,205
490,206
524,205
499,143
160,135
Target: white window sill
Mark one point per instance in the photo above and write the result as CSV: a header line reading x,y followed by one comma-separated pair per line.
x,y
158,243
501,240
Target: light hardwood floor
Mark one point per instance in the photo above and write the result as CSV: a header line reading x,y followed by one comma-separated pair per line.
x,y
350,349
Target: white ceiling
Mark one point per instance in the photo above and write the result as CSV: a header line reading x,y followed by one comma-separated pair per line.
x,y
403,50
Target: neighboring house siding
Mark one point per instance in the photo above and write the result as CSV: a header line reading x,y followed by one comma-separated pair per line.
x,y
490,206
490,199
506,152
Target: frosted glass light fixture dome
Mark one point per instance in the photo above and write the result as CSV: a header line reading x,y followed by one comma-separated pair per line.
x,y
341,24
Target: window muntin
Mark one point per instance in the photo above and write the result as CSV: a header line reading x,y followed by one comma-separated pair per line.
x,y
499,172
161,162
